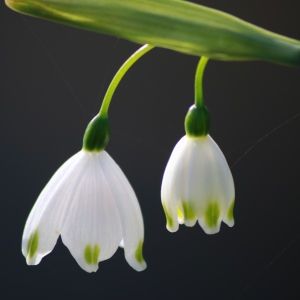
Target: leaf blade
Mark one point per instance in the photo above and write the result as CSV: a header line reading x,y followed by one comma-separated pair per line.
x,y
176,25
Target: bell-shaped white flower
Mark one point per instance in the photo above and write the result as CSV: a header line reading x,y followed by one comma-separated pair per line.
x,y
197,183
91,204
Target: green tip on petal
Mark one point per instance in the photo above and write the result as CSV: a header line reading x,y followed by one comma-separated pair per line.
x,y
230,211
188,211
139,252
197,121
97,134
91,255
212,214
33,244
179,213
168,217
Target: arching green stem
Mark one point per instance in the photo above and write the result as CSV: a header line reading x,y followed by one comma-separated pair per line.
x,y
122,71
198,81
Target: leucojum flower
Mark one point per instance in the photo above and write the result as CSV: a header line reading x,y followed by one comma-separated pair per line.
x,y
197,184
89,202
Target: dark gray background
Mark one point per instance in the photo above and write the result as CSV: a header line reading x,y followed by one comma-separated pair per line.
x,y
44,114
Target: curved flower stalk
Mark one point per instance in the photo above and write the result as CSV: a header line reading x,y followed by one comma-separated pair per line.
x,y
89,202
197,183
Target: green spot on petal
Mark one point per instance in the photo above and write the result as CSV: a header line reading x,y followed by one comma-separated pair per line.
x,y
230,211
168,217
88,254
179,213
188,211
96,254
33,243
212,214
139,252
91,255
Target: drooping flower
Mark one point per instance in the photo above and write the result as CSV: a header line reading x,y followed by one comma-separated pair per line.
x,y
197,184
91,204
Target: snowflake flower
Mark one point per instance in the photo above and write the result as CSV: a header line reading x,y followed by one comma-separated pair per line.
x,y
197,183
91,204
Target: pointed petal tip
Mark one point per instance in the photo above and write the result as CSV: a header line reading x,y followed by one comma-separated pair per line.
x,y
173,228
33,261
213,230
140,267
209,229
88,268
136,265
190,223
230,223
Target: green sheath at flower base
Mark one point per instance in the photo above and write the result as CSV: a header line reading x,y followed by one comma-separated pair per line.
x,y
97,134
177,25
197,121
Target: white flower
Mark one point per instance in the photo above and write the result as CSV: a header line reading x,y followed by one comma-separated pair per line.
x,y
198,185
90,203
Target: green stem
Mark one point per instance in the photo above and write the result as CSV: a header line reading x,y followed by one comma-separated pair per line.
x,y
198,81
116,80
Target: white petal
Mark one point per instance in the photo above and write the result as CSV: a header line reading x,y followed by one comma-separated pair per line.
x,y
92,231
225,185
214,185
122,244
170,195
129,211
46,218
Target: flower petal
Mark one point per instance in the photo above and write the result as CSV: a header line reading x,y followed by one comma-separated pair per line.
x,y
170,190
129,211
46,218
228,218
93,231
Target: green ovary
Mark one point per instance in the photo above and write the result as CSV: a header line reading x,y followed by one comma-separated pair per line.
x,y
168,217
91,255
188,211
33,244
212,214
139,252
230,211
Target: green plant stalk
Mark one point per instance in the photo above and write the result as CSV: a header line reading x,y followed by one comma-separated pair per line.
x,y
117,78
198,81
177,25
97,133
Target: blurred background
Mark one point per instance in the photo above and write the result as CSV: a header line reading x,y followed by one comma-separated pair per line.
x,y
53,79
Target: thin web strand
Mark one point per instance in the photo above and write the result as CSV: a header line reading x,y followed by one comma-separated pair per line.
x,y
267,267
266,135
239,147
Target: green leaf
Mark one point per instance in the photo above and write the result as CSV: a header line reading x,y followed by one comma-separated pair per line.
x,y
172,24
